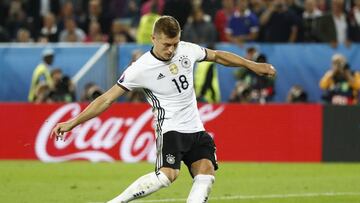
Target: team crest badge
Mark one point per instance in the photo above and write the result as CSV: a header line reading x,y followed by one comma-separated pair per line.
x,y
185,62
173,68
170,159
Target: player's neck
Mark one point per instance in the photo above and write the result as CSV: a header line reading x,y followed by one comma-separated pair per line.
x,y
156,55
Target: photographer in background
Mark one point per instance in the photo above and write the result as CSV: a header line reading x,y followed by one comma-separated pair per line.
x,y
91,92
297,94
64,90
252,88
341,85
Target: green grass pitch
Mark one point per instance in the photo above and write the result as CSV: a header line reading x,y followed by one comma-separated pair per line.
x,y
84,182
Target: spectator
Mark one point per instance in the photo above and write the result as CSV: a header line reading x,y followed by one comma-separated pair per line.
x,y
297,94
322,5
333,27
23,36
42,72
280,24
252,88
16,18
340,84
37,9
50,29
44,7
243,24
151,5
71,33
199,28
222,18
67,12
91,92
95,13
120,32
145,27
309,21
95,34
257,7
78,6
126,10
64,90
354,17
133,13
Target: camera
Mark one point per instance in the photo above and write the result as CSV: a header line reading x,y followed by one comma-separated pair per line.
x,y
63,85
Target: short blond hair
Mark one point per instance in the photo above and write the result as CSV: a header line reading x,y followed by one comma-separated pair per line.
x,y
167,25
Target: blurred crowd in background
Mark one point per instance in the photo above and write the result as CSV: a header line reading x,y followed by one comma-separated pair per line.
x,y
202,21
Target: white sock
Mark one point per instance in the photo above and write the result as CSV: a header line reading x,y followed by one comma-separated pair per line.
x,y
142,187
201,189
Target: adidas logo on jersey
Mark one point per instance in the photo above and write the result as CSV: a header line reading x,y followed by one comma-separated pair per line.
x,y
161,76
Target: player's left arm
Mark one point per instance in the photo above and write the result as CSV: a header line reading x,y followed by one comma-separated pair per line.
x,y
229,59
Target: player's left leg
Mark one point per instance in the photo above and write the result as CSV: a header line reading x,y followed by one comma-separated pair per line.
x,y
201,161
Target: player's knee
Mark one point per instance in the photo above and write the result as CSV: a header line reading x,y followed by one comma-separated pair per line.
x,y
170,173
204,167
207,169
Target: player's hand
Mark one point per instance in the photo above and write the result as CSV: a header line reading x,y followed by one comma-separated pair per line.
x,y
60,129
265,69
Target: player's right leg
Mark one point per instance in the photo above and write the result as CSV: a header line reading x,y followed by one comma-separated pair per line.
x,y
146,185
167,168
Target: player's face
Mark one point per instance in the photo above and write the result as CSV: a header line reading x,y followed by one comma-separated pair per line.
x,y
165,47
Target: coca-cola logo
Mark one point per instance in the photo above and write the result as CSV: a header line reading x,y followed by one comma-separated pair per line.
x,y
132,138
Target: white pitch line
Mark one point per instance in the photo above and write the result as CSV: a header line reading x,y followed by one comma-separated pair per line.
x,y
251,197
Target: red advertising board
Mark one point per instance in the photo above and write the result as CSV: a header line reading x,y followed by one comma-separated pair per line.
x,y
125,132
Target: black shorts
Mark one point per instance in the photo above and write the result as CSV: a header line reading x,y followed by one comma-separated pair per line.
x,y
174,147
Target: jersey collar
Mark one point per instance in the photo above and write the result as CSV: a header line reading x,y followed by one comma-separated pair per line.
x,y
152,53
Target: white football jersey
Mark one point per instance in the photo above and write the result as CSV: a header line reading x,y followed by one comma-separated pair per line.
x,y
169,87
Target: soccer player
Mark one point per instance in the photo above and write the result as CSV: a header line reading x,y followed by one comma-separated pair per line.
x,y
166,75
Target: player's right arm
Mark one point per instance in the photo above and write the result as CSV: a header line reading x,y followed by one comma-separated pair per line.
x,y
95,108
